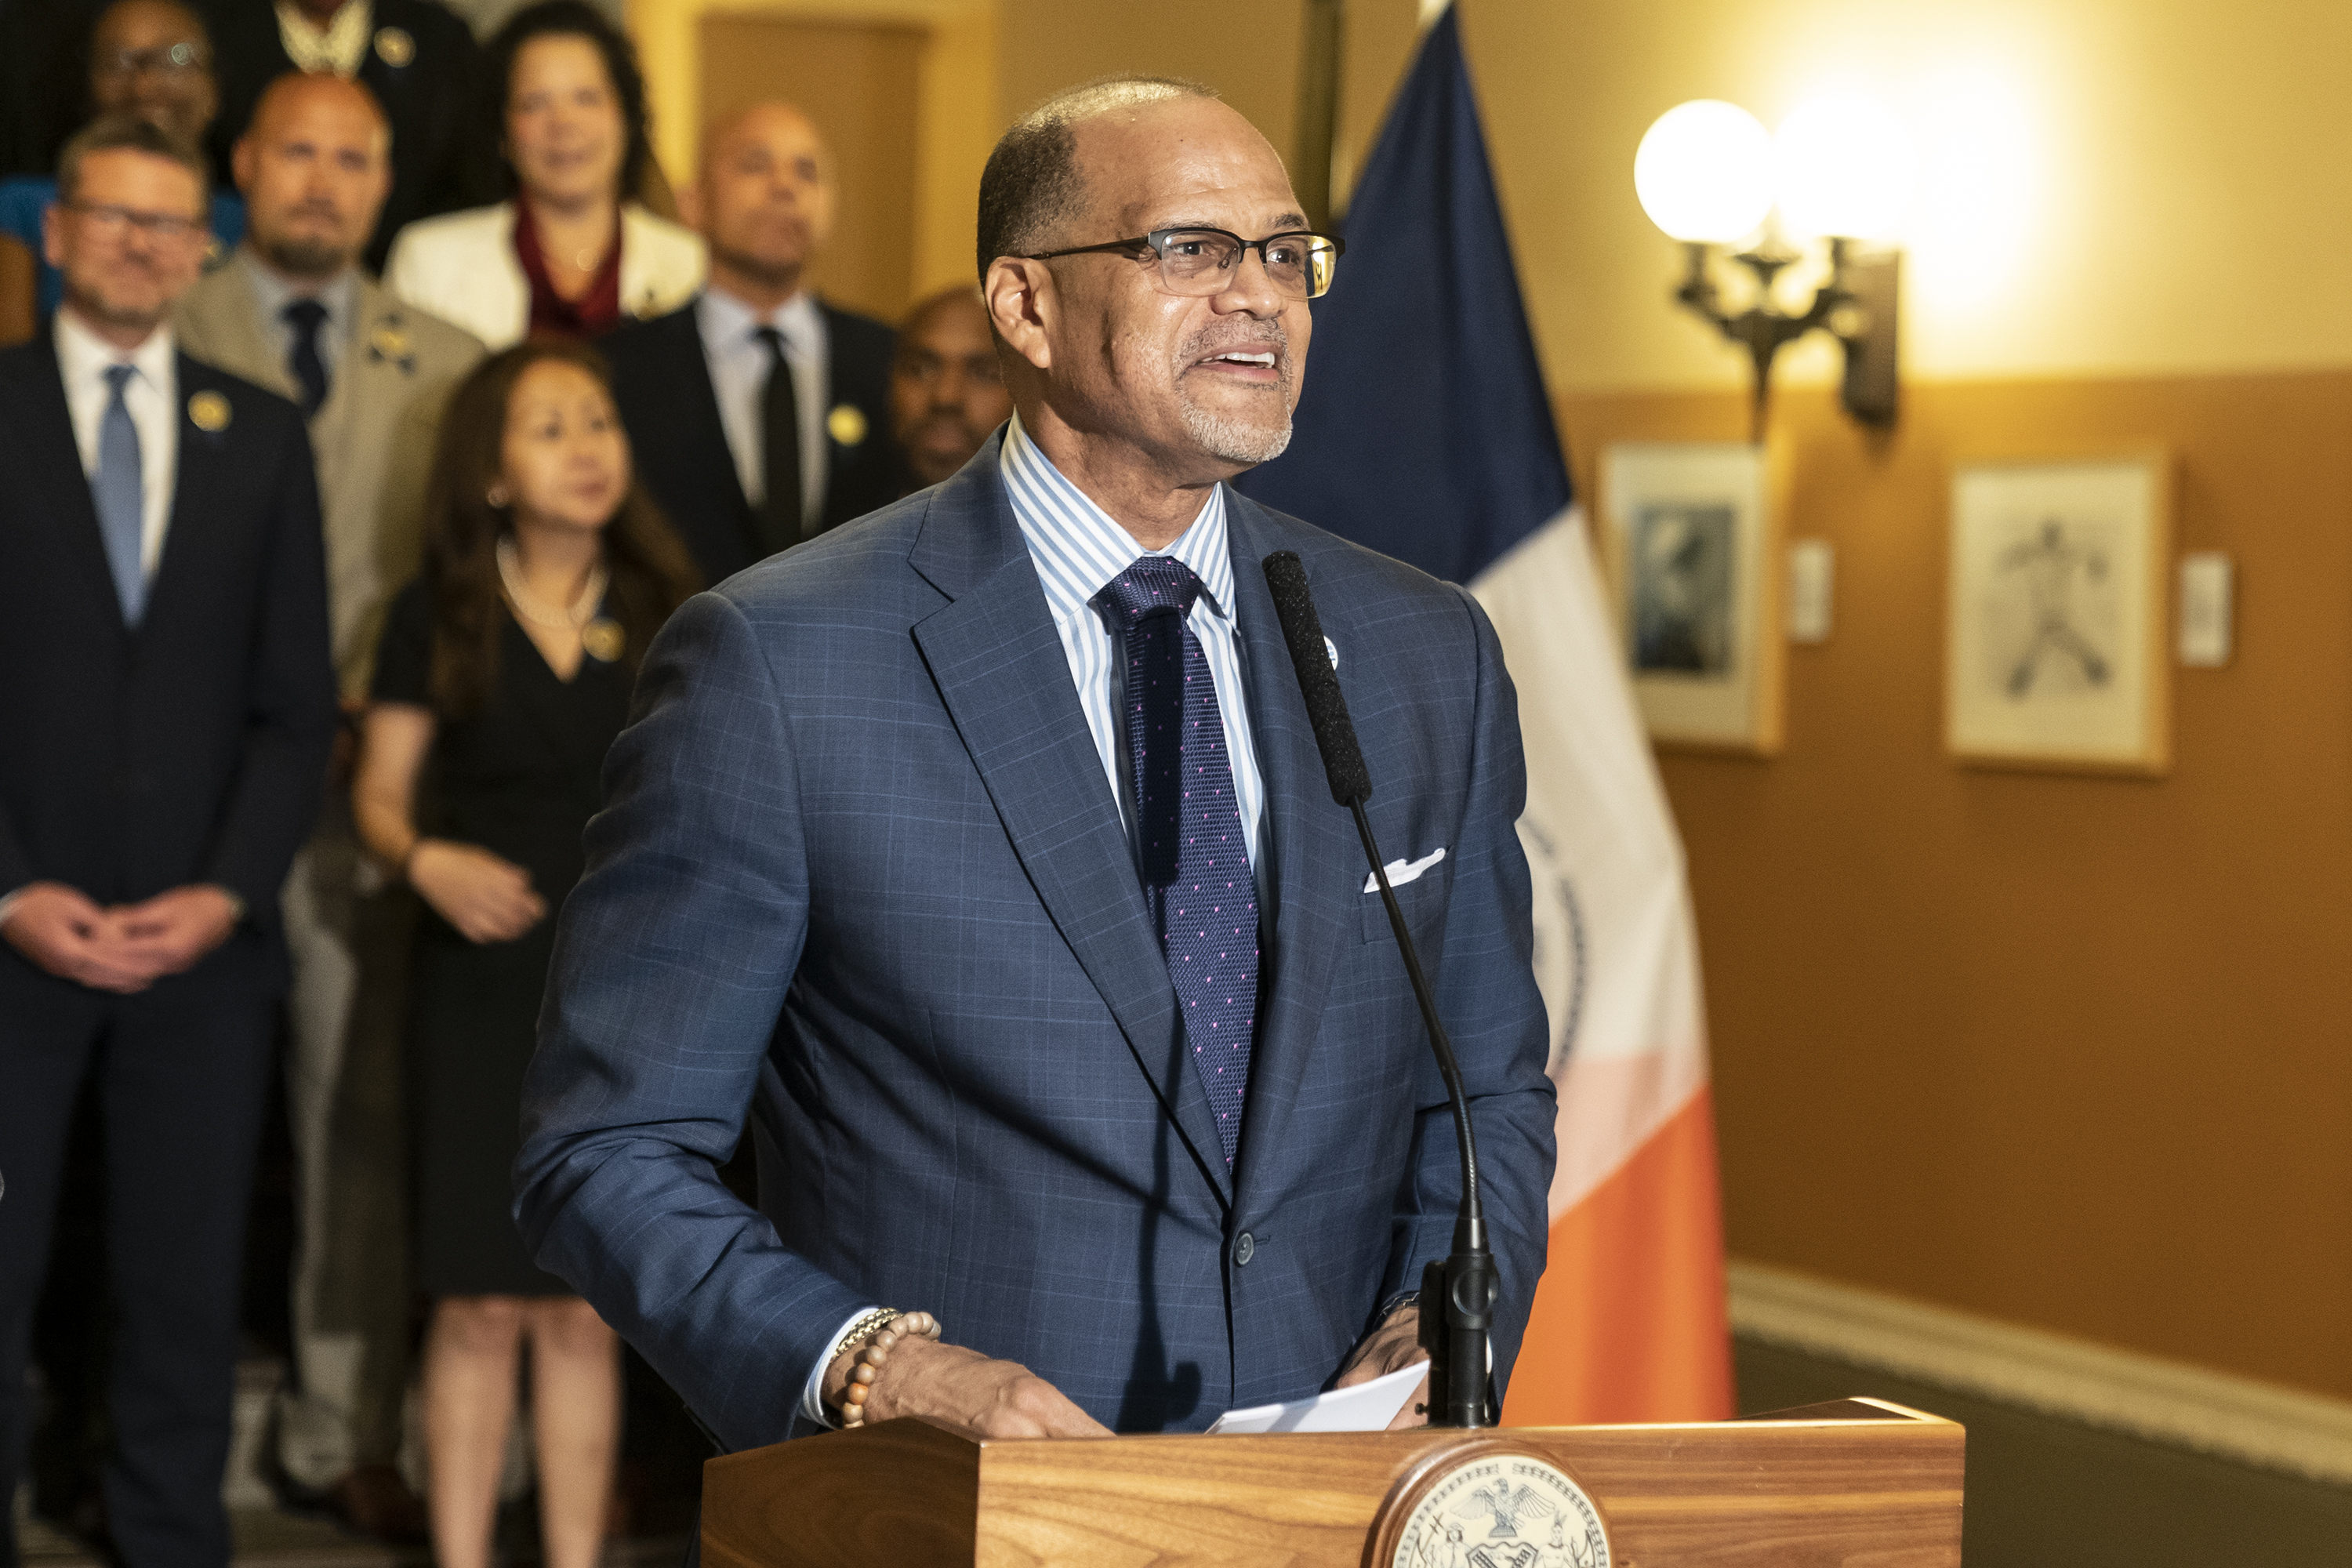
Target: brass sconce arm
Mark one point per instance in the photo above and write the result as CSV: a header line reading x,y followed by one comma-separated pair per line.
x,y
1857,304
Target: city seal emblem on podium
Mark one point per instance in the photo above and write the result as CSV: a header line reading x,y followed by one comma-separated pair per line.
x,y
1492,1506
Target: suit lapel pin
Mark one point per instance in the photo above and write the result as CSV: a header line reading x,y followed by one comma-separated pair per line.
x,y
390,341
395,46
845,424
209,412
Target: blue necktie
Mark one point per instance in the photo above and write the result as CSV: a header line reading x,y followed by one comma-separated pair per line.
x,y
116,489
309,367
1188,828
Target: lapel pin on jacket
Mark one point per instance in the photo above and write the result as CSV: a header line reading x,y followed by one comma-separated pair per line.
x,y
390,341
845,424
209,412
395,46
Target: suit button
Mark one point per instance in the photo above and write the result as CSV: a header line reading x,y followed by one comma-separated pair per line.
x,y
1245,1248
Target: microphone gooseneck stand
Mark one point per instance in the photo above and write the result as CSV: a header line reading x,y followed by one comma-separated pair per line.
x,y
1457,1294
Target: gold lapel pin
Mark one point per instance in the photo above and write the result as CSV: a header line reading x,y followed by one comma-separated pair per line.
x,y
389,340
209,411
845,424
604,640
395,46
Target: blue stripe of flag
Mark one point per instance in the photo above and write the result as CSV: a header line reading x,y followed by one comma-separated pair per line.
x,y
1424,431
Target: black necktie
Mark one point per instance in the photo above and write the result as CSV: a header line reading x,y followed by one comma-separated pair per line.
x,y
779,448
306,316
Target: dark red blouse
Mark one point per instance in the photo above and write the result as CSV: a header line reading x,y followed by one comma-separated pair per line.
x,y
592,314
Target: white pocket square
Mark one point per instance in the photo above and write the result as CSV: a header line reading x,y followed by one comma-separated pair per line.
x,y
1403,871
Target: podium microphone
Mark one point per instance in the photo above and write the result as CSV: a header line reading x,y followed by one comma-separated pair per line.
x,y
1457,1296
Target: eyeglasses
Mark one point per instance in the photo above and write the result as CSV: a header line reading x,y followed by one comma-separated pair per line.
x,y
112,221
1198,261
170,60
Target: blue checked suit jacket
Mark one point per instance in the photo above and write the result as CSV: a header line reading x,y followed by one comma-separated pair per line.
x,y
861,879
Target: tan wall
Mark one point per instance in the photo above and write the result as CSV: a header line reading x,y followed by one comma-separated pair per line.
x,y
953,109
2067,1050
2108,186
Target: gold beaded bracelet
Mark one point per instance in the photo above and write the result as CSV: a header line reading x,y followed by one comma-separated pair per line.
x,y
879,1340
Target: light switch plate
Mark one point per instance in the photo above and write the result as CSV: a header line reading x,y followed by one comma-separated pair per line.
x,y
1813,579
2207,614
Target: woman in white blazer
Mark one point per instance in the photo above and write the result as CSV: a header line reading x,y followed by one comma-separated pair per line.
x,y
564,256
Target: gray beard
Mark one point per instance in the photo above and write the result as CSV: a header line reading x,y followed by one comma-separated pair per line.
x,y
1226,439
1230,441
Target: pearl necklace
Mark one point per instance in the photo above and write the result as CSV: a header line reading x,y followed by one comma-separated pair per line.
x,y
569,619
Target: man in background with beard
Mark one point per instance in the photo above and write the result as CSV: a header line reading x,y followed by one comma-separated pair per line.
x,y
293,312
946,391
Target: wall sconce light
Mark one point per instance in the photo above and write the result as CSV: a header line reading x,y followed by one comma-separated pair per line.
x,y
1839,171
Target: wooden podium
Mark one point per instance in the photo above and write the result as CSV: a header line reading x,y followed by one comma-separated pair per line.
x,y
1853,1482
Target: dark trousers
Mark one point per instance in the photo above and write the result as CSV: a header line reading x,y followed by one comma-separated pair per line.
x,y
181,1078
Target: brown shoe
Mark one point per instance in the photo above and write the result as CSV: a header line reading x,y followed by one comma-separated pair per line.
x,y
374,1501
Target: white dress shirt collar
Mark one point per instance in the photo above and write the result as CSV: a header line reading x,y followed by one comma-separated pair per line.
x,y
340,47
739,373
153,398
1077,548
83,355
272,293
728,323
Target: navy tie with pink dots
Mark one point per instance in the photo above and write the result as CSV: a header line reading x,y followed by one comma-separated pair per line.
x,y
1188,828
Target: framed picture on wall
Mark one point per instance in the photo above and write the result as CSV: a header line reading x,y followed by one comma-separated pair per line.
x,y
1691,536
2055,650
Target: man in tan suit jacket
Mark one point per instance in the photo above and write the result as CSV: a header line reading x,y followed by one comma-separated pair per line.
x,y
294,312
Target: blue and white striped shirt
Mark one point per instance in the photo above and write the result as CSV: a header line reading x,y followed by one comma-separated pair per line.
x,y
1079,548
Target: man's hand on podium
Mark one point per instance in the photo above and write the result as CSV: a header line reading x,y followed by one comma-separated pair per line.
x,y
1395,1346
960,1388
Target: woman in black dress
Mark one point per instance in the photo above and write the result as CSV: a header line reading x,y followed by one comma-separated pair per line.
x,y
503,676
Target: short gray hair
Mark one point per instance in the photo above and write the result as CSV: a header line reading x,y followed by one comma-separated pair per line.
x,y
1033,180
129,133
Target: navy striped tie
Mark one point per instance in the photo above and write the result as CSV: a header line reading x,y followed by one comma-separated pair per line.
x,y
1188,828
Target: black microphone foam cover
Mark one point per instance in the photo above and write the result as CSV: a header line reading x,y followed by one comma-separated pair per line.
x,y
1327,707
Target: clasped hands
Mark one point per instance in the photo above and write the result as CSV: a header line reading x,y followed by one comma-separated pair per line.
x,y
982,1397
124,948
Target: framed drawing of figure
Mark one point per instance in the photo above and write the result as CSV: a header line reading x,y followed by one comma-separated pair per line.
x,y
1691,531
2054,649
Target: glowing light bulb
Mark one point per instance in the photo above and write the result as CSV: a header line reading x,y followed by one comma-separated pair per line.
x,y
1704,171
1842,165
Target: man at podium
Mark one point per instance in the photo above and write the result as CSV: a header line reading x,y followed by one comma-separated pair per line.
x,y
981,852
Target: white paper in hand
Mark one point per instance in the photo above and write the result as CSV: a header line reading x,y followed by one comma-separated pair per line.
x,y
1366,1407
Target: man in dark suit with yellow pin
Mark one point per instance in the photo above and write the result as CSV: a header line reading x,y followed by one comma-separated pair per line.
x,y
759,414
168,715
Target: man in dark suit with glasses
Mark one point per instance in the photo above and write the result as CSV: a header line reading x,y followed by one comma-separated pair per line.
x,y
168,716
979,854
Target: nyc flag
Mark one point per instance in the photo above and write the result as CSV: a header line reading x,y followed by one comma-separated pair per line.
x,y
1432,440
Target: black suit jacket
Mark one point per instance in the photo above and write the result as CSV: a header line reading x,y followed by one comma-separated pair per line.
x,y
441,158
193,749
662,383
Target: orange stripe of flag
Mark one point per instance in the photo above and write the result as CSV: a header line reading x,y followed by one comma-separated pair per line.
x,y
1629,1321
